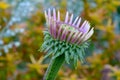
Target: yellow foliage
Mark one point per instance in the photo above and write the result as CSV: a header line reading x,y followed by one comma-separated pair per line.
x,y
115,71
4,5
37,65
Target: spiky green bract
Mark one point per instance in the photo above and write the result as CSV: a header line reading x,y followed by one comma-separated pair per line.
x,y
56,48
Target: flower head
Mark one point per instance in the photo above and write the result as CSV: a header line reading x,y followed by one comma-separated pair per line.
x,y
69,30
68,37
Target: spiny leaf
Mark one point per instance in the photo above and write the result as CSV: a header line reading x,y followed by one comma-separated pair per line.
x,y
49,53
75,60
67,57
81,57
55,50
71,53
57,54
62,50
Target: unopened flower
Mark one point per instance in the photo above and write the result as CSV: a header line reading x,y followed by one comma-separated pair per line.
x,y
68,37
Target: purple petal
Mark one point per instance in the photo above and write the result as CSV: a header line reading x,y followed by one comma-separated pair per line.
x,y
70,35
71,18
49,13
45,14
86,28
78,22
51,29
89,34
59,32
75,21
83,25
64,37
81,38
58,16
74,37
54,14
63,33
78,37
54,28
66,18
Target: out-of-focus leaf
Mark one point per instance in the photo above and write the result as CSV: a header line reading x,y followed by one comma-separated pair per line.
x,y
4,5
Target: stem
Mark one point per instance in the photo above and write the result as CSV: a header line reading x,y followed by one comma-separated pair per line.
x,y
54,67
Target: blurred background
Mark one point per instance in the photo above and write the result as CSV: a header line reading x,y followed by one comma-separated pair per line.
x,y
21,26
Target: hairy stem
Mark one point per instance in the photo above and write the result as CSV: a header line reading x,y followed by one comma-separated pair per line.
x,y
54,67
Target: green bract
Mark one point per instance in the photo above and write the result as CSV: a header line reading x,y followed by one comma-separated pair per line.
x,y
56,48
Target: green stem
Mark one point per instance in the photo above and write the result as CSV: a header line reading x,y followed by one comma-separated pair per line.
x,y
54,67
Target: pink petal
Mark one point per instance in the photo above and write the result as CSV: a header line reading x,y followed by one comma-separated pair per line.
x,y
59,32
54,14
58,16
71,18
89,34
78,22
75,21
83,25
46,16
79,37
66,18
49,13
86,28
74,37
54,28
63,33
70,35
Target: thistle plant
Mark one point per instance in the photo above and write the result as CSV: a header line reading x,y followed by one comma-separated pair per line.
x,y
64,40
